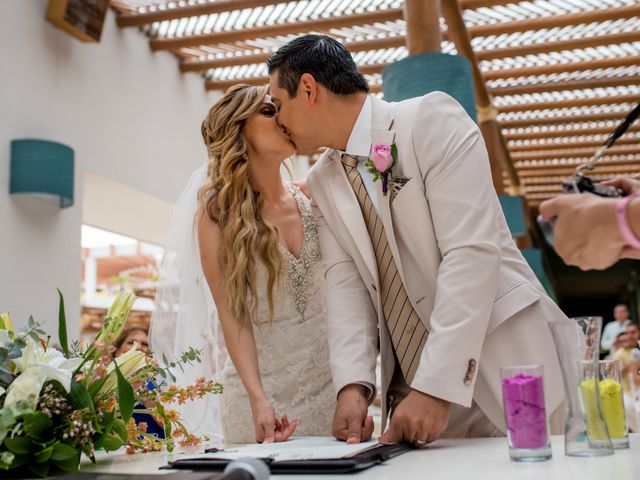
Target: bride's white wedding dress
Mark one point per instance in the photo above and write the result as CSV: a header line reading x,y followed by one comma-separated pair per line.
x,y
293,350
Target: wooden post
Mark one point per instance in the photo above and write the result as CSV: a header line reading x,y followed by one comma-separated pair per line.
x,y
423,26
487,114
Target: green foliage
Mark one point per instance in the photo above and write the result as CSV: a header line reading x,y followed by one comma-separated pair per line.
x,y
125,396
79,397
120,429
51,437
18,444
62,326
109,442
38,426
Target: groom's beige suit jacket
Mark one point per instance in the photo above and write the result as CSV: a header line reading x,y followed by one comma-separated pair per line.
x,y
481,303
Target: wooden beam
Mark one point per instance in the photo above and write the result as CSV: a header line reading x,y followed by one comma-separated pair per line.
x,y
550,188
535,147
229,61
394,42
208,8
546,47
574,162
499,157
223,85
573,153
359,46
423,26
213,84
562,120
576,102
628,80
566,133
568,170
626,61
321,24
475,4
555,21
554,179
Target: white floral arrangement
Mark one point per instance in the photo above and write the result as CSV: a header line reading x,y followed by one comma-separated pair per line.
x,y
56,405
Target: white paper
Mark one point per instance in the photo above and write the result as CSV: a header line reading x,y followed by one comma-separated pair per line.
x,y
305,448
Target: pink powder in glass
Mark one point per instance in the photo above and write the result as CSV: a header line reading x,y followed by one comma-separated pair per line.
x,y
523,396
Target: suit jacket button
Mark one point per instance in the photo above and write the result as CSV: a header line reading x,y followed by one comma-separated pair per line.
x,y
471,370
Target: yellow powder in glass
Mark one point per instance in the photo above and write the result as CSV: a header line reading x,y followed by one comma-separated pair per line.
x,y
611,404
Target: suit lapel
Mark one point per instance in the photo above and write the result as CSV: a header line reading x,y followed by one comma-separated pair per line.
x,y
347,205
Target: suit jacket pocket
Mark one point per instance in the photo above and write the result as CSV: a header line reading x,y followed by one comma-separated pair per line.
x,y
511,302
406,192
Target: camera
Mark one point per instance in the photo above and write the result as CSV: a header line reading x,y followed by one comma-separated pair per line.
x,y
580,183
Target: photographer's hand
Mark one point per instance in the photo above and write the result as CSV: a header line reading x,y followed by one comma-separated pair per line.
x,y
626,184
586,230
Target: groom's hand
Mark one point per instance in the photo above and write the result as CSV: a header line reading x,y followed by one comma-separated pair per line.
x,y
350,422
418,419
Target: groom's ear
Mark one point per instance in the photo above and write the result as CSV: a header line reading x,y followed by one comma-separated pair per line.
x,y
308,88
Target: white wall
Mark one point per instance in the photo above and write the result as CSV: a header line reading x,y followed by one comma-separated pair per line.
x,y
128,113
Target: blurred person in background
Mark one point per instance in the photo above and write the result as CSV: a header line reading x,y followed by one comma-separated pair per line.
x,y
628,354
138,337
613,329
130,336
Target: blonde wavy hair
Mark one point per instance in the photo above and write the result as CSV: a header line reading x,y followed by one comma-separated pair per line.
x,y
228,199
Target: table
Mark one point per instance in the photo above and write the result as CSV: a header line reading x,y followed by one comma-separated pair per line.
x,y
445,459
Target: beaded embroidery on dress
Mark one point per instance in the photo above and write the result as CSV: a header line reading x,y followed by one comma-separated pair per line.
x,y
293,352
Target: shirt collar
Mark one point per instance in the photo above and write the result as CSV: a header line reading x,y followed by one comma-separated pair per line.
x,y
359,143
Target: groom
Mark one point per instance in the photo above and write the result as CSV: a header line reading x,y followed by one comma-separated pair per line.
x,y
419,261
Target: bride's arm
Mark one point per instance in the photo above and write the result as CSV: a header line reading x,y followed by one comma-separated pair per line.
x,y
239,338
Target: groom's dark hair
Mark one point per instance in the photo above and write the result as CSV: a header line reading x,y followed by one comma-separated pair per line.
x,y
325,58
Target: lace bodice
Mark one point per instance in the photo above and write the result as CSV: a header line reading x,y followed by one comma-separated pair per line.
x,y
292,348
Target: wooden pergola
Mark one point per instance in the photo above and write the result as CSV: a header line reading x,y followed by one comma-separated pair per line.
x,y
552,77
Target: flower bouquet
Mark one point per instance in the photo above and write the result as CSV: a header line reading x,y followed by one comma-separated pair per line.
x,y
56,405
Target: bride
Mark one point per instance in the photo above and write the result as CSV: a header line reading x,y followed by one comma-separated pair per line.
x,y
259,252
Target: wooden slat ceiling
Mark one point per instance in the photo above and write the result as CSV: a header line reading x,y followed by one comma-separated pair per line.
x,y
563,73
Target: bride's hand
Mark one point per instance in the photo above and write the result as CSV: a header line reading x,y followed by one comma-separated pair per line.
x,y
268,427
264,421
284,428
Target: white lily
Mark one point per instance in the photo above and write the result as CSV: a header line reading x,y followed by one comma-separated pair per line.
x,y
2,390
50,361
116,317
27,387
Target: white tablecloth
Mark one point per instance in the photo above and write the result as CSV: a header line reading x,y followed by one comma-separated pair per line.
x,y
445,459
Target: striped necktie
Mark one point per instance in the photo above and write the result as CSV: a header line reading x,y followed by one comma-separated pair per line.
x,y
408,333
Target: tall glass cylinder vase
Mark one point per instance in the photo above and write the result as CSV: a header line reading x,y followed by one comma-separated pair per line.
x,y
576,341
525,413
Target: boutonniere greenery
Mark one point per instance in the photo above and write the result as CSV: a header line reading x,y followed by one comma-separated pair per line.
x,y
380,163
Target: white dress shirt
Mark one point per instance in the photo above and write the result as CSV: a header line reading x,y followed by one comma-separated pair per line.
x,y
359,146
610,332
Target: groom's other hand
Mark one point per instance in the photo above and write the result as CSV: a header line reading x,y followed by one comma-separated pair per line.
x,y
418,419
351,422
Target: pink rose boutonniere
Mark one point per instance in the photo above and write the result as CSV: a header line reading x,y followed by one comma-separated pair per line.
x,y
383,158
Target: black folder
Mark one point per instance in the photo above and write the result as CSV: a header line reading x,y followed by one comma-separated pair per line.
x,y
349,464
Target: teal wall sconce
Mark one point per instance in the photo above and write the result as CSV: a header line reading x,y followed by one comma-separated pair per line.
x,y
42,168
